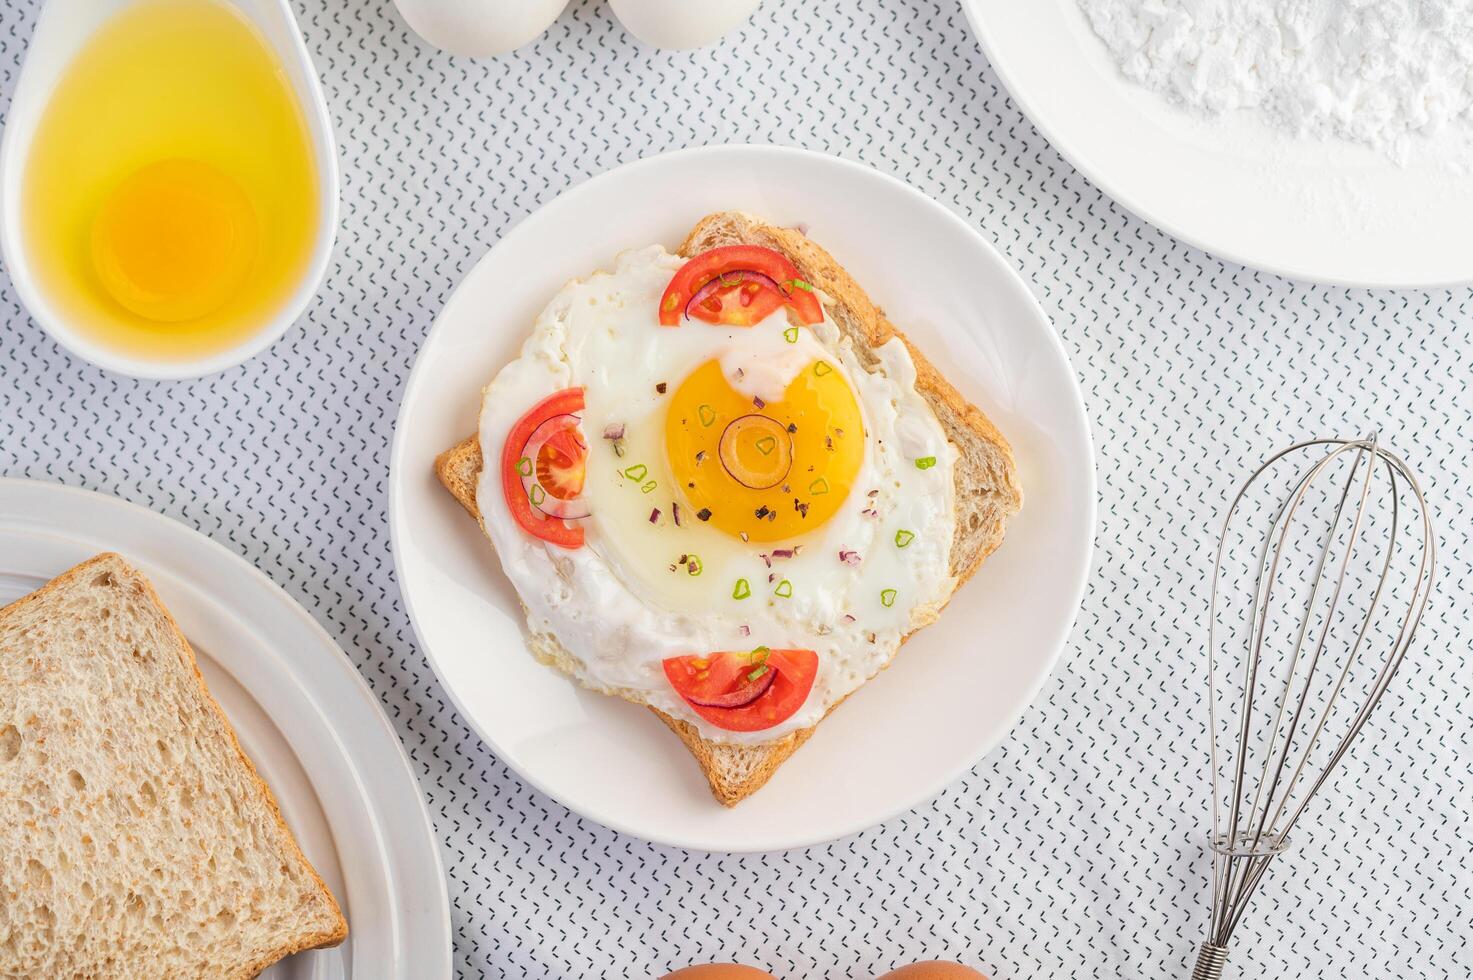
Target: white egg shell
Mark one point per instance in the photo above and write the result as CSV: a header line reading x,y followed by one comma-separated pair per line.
x,y
480,28
681,23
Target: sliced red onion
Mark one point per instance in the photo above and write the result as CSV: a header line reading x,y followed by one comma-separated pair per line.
x,y
783,552
675,512
729,280
849,557
744,630
742,696
655,516
568,510
614,430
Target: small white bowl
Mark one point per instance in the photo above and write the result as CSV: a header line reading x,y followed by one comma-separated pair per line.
x,y
62,28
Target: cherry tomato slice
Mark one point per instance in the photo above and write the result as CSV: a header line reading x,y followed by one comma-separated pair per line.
x,y
552,530
721,676
560,463
743,267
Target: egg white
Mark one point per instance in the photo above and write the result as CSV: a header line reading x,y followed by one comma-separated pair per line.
x,y
615,604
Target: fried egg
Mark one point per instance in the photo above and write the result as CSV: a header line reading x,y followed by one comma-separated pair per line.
x,y
744,487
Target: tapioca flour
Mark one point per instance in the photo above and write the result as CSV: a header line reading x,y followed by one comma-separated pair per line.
x,y
1379,72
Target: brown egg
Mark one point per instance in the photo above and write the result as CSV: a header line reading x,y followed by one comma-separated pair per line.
x,y
719,971
934,970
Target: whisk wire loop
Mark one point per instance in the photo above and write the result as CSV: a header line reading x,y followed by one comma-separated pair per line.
x,y
1320,660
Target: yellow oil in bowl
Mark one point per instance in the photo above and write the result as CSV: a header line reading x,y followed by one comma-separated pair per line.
x,y
170,202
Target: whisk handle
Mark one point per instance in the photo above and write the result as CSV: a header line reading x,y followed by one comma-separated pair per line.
x,y
1210,960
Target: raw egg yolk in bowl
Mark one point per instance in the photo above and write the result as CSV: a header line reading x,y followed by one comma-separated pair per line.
x,y
765,471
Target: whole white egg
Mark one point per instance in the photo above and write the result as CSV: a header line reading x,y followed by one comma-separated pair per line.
x,y
681,23
480,28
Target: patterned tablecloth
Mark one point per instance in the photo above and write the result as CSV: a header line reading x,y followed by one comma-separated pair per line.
x,y
1074,849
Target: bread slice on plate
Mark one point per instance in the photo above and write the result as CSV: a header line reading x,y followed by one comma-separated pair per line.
x,y
139,841
987,488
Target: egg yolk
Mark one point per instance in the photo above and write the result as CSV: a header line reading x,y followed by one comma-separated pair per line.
x,y
766,471
175,240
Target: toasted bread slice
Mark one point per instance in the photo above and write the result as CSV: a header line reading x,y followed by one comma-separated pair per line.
x,y
987,488
139,840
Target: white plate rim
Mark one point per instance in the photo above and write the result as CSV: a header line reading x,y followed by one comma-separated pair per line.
x,y
190,548
1077,581
1060,140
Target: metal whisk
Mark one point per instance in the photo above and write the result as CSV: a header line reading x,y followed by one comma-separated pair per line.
x,y
1319,617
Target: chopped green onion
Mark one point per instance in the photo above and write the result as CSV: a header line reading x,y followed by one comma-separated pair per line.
x,y
819,487
693,564
887,598
822,368
637,472
925,462
791,335
801,285
903,538
536,495
742,590
766,445
707,413
758,672
784,589
524,466
648,487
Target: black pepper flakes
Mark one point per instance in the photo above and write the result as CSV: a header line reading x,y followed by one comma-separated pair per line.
x,y
792,427
661,387
704,513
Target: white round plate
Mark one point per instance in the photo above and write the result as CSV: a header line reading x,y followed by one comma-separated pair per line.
x,y
304,716
955,689
1323,210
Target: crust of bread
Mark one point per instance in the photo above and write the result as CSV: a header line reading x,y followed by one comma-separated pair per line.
x,y
988,491
112,560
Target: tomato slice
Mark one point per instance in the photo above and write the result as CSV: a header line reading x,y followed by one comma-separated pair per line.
x,y
563,451
738,285
706,683
560,463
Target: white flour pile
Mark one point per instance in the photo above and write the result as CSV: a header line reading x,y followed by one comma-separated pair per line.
x,y
1380,72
